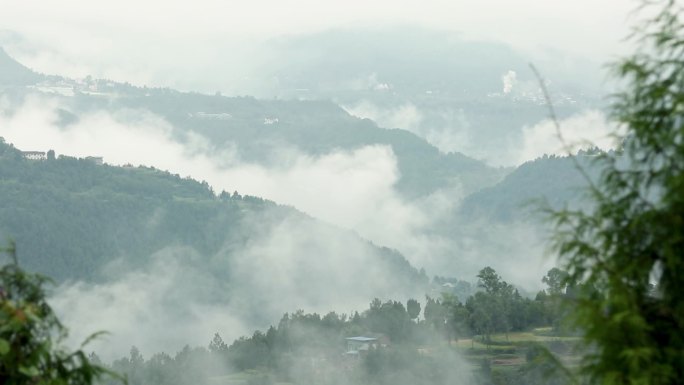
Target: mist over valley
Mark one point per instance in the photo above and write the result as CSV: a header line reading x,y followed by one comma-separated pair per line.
x,y
359,203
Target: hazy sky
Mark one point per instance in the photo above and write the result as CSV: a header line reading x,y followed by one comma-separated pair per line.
x,y
159,41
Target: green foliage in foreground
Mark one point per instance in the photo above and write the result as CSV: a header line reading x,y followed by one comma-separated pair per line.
x,y
31,334
627,254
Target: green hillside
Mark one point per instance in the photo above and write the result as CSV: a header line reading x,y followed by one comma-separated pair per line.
x,y
549,180
71,218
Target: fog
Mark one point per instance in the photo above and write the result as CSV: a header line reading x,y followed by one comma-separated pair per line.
x,y
210,45
457,134
583,130
182,298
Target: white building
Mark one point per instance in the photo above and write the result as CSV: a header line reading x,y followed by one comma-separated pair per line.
x,y
34,155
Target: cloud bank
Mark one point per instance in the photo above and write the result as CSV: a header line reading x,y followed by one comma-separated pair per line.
x,y
583,130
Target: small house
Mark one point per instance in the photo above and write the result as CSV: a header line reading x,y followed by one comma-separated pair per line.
x,y
98,160
357,345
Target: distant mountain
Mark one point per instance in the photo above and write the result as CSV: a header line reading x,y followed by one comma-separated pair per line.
x,y
473,97
12,73
408,60
552,180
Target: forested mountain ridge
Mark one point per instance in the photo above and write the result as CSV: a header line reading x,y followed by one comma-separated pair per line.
x,y
552,180
71,217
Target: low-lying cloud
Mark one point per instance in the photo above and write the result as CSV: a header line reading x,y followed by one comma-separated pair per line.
x,y
583,130
447,129
450,130
181,297
406,116
161,308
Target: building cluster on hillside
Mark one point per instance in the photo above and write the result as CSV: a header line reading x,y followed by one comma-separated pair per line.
x,y
70,87
34,155
50,155
214,116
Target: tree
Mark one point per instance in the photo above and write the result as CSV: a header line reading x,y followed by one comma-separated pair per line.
x,y
487,314
217,346
496,302
413,308
456,317
389,318
553,299
556,281
627,252
31,334
489,280
135,365
434,313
